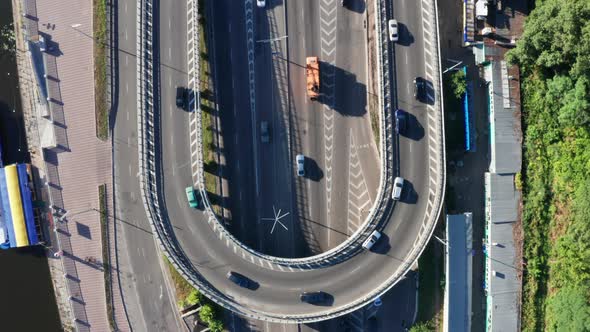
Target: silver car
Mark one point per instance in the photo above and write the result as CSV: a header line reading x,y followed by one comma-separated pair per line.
x,y
370,242
398,185
300,165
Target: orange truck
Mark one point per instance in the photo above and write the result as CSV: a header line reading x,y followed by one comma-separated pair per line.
x,y
312,70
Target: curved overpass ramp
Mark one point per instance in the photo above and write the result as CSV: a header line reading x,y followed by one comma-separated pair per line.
x,y
203,251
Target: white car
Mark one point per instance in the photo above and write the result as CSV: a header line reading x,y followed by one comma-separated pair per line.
x,y
398,185
260,3
393,36
375,236
300,165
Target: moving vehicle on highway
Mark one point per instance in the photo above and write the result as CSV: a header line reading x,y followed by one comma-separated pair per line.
x,y
241,280
419,88
264,132
312,71
393,34
313,297
398,186
260,3
370,242
191,196
180,97
300,165
401,121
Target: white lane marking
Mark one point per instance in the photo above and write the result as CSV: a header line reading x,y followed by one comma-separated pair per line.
x,y
125,8
126,59
126,35
169,53
127,87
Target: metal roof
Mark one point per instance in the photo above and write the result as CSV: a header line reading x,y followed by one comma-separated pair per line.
x,y
458,273
503,285
505,143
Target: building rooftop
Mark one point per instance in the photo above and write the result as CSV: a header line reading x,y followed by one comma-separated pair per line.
x,y
458,272
502,282
504,112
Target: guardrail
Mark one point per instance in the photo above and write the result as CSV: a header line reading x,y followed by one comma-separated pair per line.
x,y
150,171
346,249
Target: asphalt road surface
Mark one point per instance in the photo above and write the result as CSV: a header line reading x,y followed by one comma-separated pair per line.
x,y
328,138
146,293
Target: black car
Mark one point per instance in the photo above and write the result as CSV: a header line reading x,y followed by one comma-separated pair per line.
x,y
401,122
313,297
419,88
180,97
241,280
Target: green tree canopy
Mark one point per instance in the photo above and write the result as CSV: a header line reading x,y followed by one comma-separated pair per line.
x,y
569,310
556,39
207,313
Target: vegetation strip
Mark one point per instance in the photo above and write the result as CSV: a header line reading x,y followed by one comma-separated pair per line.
x,y
101,108
554,56
102,202
189,296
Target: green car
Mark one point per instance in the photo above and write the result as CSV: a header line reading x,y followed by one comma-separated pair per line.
x,y
192,197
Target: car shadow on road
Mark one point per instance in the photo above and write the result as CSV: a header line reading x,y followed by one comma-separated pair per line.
x,y
414,129
409,194
406,38
357,6
382,247
314,171
430,93
353,101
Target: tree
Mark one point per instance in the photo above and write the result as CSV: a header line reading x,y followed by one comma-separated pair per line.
x,y
555,39
215,326
422,327
207,313
194,297
458,83
569,310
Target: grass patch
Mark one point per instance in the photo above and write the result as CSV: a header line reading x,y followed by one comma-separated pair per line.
x,y
211,178
374,115
101,108
181,286
187,296
429,287
102,203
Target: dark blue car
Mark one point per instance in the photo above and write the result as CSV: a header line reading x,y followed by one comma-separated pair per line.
x,y
401,122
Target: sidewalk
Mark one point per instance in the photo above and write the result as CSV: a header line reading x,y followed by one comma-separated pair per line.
x,y
76,162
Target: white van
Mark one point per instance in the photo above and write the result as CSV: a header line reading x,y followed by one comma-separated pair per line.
x,y
375,236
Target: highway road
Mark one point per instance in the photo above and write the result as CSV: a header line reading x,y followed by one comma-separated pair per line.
x,y
280,288
146,293
312,26
334,132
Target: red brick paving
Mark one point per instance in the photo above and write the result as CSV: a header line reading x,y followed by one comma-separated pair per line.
x,y
85,163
